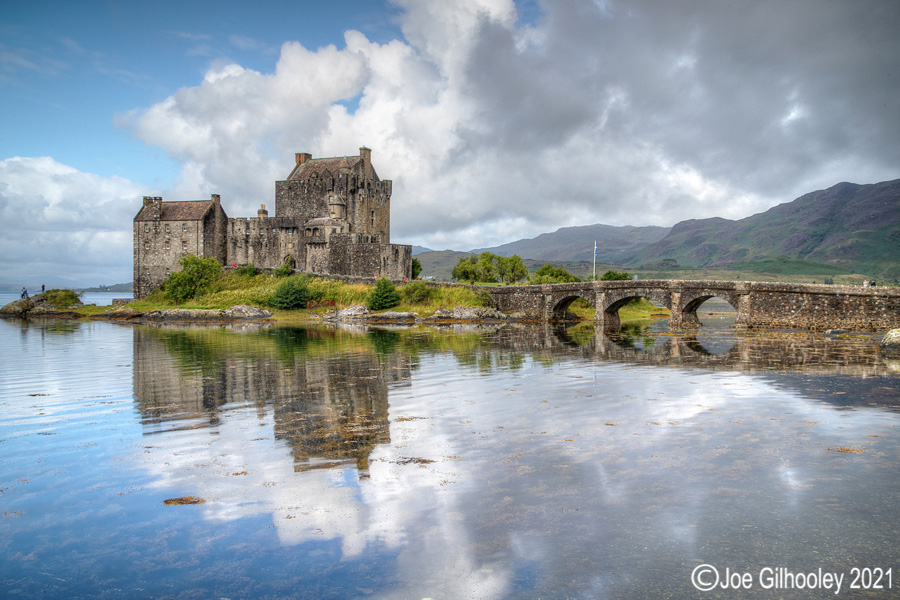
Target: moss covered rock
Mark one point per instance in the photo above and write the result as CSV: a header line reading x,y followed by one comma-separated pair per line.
x,y
890,343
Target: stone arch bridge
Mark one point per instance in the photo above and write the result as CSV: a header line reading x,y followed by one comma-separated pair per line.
x,y
758,305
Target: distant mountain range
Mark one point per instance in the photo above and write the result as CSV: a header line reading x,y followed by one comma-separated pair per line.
x,y
615,245
850,226
845,228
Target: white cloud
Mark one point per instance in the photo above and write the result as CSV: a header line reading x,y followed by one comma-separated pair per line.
x,y
60,220
494,130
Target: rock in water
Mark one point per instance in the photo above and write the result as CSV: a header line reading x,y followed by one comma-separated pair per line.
x,y
19,308
890,343
243,311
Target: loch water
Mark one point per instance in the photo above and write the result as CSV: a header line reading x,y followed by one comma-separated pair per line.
x,y
251,461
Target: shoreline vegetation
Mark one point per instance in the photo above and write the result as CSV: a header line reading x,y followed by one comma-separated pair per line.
x,y
319,300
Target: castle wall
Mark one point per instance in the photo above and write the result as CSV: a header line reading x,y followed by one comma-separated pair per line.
x,y
159,244
344,255
302,200
265,242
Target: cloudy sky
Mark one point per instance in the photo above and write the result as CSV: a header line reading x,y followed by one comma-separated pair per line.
x,y
497,120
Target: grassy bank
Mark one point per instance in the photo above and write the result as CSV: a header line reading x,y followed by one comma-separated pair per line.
x,y
326,294
637,309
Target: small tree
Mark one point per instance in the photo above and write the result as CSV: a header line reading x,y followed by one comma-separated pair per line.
x,y
291,294
195,278
416,268
511,268
615,276
466,268
487,267
385,295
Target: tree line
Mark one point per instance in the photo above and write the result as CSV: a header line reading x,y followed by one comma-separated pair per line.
x,y
490,268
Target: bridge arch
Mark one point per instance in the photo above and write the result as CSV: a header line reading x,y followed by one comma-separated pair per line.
x,y
691,300
611,301
561,304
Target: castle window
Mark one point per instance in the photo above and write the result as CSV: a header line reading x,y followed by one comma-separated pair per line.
x,y
373,218
184,226
146,245
167,245
184,246
167,228
146,227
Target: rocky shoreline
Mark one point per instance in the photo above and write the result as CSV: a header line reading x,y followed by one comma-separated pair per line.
x,y
37,308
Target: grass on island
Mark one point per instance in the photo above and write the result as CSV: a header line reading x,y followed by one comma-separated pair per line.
x,y
258,290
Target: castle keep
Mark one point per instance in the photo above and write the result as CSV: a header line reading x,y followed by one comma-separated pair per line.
x,y
332,217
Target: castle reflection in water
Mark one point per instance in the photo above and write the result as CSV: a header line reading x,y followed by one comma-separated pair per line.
x,y
328,393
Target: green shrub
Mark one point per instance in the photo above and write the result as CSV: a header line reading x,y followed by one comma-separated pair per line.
x,y
247,270
416,268
549,273
285,270
292,293
615,276
385,295
196,277
416,292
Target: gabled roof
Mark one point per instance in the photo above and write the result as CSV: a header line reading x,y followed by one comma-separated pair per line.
x,y
317,167
194,210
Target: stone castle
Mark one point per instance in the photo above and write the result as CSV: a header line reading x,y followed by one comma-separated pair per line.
x,y
332,217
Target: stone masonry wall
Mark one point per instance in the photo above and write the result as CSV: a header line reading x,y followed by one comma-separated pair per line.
x,y
820,307
759,305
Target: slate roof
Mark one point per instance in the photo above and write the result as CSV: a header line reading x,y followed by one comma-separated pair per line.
x,y
317,167
193,210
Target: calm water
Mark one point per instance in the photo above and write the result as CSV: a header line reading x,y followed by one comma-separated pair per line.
x,y
510,463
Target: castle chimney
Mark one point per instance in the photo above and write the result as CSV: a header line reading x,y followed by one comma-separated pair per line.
x,y
262,212
366,155
216,198
302,157
153,206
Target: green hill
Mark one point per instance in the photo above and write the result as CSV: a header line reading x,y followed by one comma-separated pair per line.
x,y
847,227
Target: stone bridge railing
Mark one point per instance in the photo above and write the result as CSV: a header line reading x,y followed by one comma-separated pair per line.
x,y
758,304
